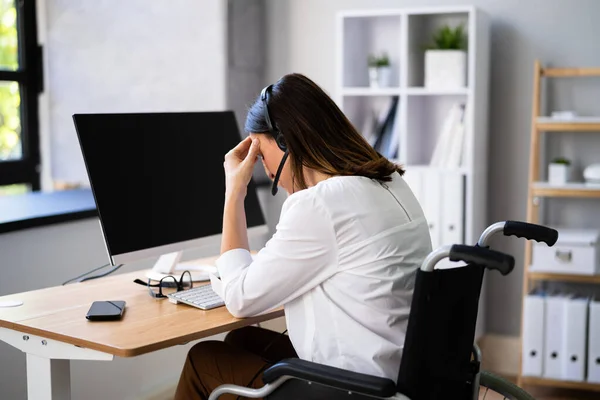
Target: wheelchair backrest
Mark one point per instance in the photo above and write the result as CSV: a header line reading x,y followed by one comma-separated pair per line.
x,y
436,359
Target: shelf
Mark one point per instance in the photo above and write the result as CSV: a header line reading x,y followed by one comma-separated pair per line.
x,y
577,124
423,91
368,91
548,276
570,72
574,120
529,380
417,167
544,189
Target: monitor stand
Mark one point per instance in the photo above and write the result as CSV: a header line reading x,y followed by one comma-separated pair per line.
x,y
168,264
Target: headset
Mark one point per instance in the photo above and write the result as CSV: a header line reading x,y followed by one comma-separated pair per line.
x,y
277,135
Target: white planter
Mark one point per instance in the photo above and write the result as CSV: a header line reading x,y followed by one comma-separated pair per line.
x,y
558,174
380,76
445,69
385,76
373,77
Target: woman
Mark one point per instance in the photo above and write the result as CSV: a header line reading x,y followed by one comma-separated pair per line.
x,y
342,262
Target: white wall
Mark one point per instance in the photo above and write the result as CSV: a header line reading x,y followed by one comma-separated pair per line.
x,y
560,32
246,36
126,56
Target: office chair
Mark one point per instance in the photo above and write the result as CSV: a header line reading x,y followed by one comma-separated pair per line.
x,y
439,359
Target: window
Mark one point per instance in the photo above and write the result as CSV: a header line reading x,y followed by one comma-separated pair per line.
x,y
20,84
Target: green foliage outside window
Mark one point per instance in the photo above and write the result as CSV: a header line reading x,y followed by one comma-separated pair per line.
x,y
10,98
13,190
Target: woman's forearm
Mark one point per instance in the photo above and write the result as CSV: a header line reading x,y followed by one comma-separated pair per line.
x,y
235,234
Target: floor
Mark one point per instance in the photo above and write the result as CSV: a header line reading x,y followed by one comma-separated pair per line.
x,y
544,393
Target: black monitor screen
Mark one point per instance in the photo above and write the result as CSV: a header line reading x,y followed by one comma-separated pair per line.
x,y
158,178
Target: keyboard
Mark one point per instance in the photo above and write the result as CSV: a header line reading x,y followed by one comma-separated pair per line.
x,y
202,297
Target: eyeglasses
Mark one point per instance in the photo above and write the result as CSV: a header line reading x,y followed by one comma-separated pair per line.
x,y
169,281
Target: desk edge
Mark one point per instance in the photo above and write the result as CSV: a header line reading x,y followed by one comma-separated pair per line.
x,y
137,351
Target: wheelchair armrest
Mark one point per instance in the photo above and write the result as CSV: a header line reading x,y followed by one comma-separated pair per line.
x,y
331,376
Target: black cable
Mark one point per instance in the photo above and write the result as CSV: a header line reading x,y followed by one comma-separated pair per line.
x,y
87,273
263,356
89,278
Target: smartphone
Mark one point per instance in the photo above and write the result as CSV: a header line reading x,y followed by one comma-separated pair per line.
x,y
106,310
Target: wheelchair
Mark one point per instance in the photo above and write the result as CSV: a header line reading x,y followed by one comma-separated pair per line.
x,y
439,360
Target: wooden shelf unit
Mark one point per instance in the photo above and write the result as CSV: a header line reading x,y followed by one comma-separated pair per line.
x,y
580,190
538,190
569,72
530,380
547,276
566,126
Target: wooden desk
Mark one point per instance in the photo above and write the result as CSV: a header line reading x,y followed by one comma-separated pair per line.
x,y
52,329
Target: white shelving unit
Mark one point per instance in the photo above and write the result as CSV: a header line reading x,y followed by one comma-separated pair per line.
x,y
367,91
454,199
422,91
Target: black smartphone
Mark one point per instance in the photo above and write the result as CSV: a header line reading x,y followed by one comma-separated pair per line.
x,y
106,310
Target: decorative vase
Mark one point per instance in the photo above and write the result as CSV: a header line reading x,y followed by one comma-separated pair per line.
x,y
445,69
558,174
384,75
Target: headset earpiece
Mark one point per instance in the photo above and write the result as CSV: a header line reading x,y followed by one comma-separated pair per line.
x,y
281,141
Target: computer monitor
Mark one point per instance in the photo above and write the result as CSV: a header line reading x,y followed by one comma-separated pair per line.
x,y
159,184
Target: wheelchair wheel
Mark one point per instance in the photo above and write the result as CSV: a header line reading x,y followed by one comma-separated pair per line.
x,y
492,387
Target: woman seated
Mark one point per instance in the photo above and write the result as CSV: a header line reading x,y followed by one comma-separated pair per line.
x,y
343,259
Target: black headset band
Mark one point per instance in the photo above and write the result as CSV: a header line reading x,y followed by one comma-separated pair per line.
x,y
264,96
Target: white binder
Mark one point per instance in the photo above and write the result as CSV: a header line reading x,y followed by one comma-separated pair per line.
x,y
574,337
432,201
533,335
452,212
554,325
593,359
414,179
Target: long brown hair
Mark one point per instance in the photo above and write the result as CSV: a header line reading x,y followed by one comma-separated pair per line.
x,y
317,133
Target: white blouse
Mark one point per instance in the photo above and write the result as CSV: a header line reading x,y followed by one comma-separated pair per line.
x,y
342,262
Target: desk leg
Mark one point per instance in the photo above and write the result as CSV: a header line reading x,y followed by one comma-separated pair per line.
x,y
49,363
48,379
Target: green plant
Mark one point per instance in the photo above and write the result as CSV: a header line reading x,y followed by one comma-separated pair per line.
x,y
10,99
379,61
561,160
447,38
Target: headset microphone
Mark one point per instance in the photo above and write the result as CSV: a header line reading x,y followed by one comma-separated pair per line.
x,y
278,174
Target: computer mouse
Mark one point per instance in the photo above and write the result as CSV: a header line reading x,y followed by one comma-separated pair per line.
x,y
11,303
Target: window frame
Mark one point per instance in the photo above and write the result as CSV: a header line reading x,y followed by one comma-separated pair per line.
x,y
29,75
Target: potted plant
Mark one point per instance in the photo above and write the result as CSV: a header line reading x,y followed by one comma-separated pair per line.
x,y
559,171
379,70
446,59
